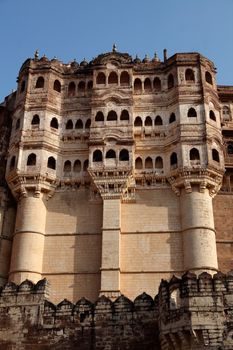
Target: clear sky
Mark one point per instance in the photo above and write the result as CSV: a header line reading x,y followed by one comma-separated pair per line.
x,y
71,29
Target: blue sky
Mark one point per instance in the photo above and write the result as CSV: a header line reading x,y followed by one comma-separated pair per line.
x,y
71,29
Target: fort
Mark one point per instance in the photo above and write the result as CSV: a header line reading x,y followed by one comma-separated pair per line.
x,y
116,174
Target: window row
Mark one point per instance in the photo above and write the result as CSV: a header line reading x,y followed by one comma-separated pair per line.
x,y
79,124
32,160
76,167
98,155
112,116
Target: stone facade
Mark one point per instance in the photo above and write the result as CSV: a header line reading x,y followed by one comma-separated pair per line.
x,y
116,173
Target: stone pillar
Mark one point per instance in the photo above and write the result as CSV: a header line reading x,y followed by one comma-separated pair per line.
x,y
111,232
199,244
28,243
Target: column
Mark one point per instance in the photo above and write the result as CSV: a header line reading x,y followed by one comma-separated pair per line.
x,y
111,232
199,244
28,242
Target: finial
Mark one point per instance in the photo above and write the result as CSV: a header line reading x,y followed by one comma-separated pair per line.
x,y
114,48
165,55
156,59
146,59
36,55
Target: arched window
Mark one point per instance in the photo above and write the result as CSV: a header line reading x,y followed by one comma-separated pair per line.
x,y
112,116
226,113
77,166
81,87
88,124
194,154
113,78
97,156
23,85
71,89
212,116
124,155
124,79
158,120
101,79
35,120
99,117
54,123
148,121
172,118
230,149
124,115
138,121
90,85
192,113
57,86
40,83
31,159
173,160
170,81
137,85
17,124
157,84
147,85
189,75
138,163
110,154
208,78
148,163
69,124
79,124
51,164
67,166
85,165
215,155
12,163
159,163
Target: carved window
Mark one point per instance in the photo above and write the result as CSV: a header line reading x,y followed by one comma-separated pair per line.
x,y
40,83
170,81
97,156
99,117
69,124
67,166
138,121
194,154
101,79
85,165
124,79
208,78
36,120
12,163
88,124
215,155
189,75
124,155
112,116
79,124
90,85
192,113
77,166
111,154
157,84
57,86
54,123
159,163
124,115
158,120
172,118
230,149
226,113
31,159
113,78
148,163
137,85
148,121
147,85
51,164
138,163
173,160
71,89
81,87
212,116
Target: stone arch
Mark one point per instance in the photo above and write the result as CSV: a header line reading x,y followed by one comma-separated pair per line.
x,y
212,115
192,113
67,166
138,121
147,85
113,78
97,156
112,116
39,83
110,154
159,162
124,115
35,120
194,154
138,163
77,166
71,89
69,124
157,84
148,163
99,117
79,124
208,78
215,155
148,121
189,75
124,79
54,123
173,160
101,79
57,85
158,120
124,155
170,81
51,163
137,85
31,160
172,118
